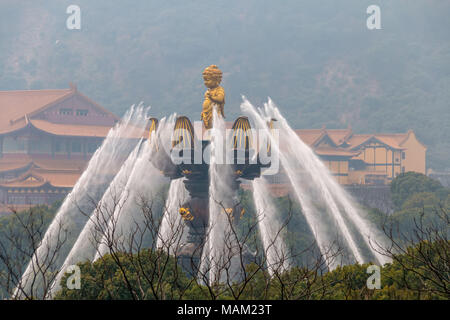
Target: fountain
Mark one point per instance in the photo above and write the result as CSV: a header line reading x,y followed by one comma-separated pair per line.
x,y
318,183
82,200
211,173
204,165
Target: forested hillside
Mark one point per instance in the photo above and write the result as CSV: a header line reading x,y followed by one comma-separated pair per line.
x,y
316,59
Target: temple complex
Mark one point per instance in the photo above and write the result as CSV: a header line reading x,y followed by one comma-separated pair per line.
x,y
366,158
361,159
48,136
46,139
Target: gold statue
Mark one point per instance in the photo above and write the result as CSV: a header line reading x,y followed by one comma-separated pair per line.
x,y
214,96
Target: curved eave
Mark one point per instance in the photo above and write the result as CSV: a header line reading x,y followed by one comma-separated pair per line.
x,y
70,130
43,178
24,184
55,129
14,128
27,185
415,136
358,146
15,166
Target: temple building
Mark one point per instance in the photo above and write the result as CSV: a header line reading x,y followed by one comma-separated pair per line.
x,y
46,140
361,159
48,136
366,158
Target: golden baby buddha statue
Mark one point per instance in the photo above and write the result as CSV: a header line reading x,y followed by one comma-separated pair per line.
x,y
214,96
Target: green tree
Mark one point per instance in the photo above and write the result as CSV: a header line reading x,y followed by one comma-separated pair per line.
x,y
421,200
145,275
409,183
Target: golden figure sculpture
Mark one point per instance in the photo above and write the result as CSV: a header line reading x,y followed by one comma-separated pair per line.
x,y
214,96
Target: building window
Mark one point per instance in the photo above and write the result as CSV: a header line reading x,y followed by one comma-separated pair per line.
x,y
82,112
76,146
41,145
403,169
66,111
15,145
35,200
60,146
17,200
403,155
93,146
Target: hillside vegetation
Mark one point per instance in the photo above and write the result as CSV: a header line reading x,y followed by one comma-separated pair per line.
x,y
418,246
316,59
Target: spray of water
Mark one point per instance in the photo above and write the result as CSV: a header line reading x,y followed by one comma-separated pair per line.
x,y
303,169
91,226
171,233
270,229
332,192
85,247
136,214
218,252
300,189
74,212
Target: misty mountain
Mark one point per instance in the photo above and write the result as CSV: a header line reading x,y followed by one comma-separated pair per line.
x,y
316,59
